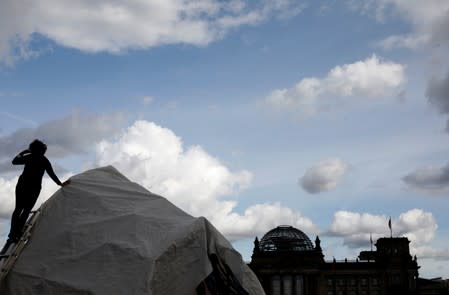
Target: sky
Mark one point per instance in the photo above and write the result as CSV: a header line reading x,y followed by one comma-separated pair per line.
x,y
331,116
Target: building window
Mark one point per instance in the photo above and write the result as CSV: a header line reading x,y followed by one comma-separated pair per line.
x,y
299,285
330,293
363,282
353,282
341,282
375,281
396,279
287,285
275,285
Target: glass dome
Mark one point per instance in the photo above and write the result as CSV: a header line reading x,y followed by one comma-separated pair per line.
x,y
285,238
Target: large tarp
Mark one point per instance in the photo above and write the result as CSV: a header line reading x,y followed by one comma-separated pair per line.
x,y
104,234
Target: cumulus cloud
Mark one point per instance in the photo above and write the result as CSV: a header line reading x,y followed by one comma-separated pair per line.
x,y
356,228
192,179
429,179
75,133
429,20
7,198
7,194
115,26
372,77
417,225
438,94
323,176
432,253
408,41
197,182
258,219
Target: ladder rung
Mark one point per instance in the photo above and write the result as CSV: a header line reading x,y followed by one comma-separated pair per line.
x,y
14,249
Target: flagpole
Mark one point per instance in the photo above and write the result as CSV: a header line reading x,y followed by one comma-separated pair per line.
x,y
389,225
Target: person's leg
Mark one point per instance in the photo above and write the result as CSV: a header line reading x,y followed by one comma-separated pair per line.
x,y
31,199
25,198
15,219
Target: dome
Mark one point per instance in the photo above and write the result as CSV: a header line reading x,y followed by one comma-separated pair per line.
x,y
285,238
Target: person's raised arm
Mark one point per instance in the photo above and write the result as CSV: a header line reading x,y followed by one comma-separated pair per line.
x,y
21,157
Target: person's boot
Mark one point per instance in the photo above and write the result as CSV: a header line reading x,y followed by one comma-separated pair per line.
x,y
13,238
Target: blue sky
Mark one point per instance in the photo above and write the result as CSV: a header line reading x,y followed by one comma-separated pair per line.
x,y
326,115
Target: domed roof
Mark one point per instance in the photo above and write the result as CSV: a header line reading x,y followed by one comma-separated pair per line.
x,y
285,238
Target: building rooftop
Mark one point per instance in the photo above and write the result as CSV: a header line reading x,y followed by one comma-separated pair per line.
x,y
285,238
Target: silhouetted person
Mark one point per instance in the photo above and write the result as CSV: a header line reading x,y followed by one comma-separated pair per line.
x,y
29,185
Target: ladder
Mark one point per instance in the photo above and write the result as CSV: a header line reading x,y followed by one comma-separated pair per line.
x,y
11,251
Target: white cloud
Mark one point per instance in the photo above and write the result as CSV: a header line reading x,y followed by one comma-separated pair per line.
x,y
417,225
189,177
429,20
147,100
372,77
7,198
7,194
324,176
192,179
356,228
438,94
4,229
76,133
258,219
155,157
408,41
430,30
429,179
115,26
430,252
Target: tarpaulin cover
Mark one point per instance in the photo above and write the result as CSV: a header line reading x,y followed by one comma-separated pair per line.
x,y
104,234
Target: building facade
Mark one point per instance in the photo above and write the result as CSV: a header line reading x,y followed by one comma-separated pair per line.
x,y
288,263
